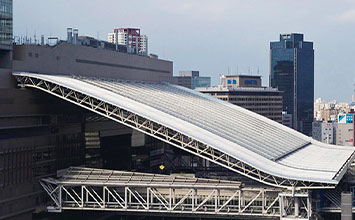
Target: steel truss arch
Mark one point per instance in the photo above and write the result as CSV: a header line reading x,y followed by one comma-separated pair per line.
x,y
163,133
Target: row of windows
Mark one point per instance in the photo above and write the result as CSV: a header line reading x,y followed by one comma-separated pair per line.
x,y
5,22
265,109
229,81
15,166
246,82
256,104
6,7
251,99
5,35
250,82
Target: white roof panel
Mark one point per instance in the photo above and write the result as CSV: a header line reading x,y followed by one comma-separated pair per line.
x,y
240,133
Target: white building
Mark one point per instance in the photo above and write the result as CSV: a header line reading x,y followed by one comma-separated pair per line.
x,y
131,38
344,130
143,46
322,131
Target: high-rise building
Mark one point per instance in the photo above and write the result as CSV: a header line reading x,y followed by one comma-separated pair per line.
x,y
292,72
287,119
5,33
130,37
5,23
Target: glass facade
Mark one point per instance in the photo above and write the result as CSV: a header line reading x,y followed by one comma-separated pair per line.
x,y
292,72
200,81
6,22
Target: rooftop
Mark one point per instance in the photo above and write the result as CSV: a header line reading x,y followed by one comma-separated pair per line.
x,y
242,75
236,89
92,176
247,137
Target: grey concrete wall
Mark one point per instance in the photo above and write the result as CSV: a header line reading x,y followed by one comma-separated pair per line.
x,y
40,133
346,206
343,133
87,61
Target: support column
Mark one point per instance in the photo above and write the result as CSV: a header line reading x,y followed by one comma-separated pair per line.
x,y
346,206
297,207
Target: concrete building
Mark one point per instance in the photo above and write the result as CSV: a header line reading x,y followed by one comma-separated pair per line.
x,y
74,38
192,79
345,130
323,132
265,101
344,134
81,60
40,134
241,81
143,46
339,131
292,72
131,38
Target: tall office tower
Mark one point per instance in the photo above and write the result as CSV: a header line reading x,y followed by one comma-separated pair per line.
x,y
292,72
5,33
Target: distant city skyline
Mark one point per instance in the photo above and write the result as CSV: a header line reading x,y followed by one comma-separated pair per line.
x,y
214,37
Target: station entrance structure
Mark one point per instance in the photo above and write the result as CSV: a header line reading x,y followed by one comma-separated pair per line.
x,y
223,133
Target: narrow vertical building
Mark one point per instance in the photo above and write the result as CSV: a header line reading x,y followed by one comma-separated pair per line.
x,y
292,72
143,46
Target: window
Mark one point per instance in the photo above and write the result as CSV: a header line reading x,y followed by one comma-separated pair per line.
x,y
229,81
234,81
250,82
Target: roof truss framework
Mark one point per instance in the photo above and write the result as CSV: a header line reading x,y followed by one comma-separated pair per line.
x,y
105,190
163,133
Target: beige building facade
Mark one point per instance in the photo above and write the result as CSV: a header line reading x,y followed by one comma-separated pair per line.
x,y
241,81
264,101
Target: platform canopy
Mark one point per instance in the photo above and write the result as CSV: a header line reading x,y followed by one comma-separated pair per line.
x,y
99,177
223,133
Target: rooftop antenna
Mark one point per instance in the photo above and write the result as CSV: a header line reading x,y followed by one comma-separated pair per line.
x,y
258,71
237,70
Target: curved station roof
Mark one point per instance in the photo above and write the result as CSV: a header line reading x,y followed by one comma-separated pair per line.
x,y
252,139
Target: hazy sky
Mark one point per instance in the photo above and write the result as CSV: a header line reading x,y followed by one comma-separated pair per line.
x,y
209,36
